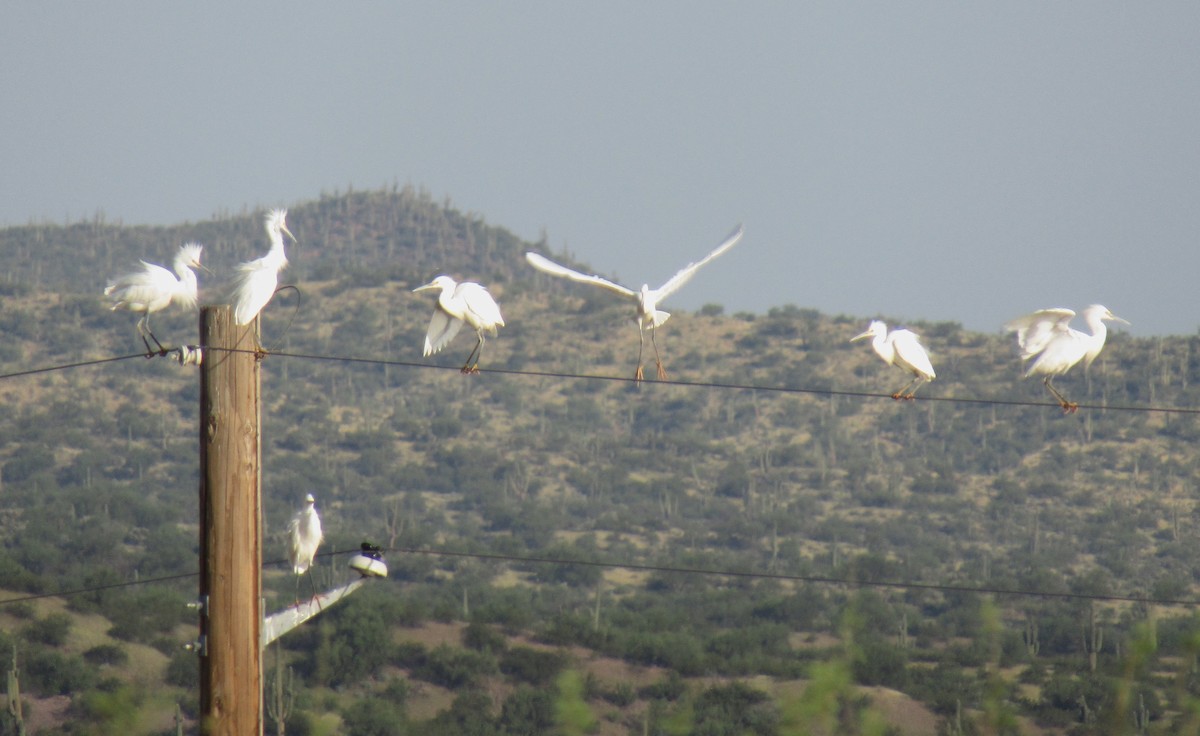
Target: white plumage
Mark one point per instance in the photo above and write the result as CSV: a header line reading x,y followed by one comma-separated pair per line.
x,y
902,348
459,303
1047,339
154,288
304,536
256,280
649,316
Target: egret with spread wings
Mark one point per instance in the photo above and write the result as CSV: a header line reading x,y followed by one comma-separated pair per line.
x,y
1047,338
903,349
458,303
649,316
154,288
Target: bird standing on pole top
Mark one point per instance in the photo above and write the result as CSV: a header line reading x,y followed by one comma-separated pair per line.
x,y
256,280
304,536
649,316
458,303
1048,335
154,288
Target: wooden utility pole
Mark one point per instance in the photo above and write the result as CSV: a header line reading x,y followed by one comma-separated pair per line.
x,y
230,530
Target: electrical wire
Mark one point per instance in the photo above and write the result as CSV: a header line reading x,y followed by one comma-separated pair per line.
x,y
98,588
67,366
614,379
814,579
718,385
627,565
608,564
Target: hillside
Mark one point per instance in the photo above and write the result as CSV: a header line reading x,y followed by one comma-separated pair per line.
x,y
812,486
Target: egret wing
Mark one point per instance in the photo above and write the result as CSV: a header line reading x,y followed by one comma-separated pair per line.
x,y
442,329
294,546
687,272
150,288
911,353
483,308
1036,330
546,265
251,292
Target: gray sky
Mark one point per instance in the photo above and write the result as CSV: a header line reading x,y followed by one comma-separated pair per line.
x,y
918,161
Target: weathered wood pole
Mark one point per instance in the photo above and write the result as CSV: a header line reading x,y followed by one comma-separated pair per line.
x,y
230,530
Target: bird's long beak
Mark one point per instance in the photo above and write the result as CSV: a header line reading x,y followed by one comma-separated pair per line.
x,y
285,231
430,285
860,337
1115,318
202,267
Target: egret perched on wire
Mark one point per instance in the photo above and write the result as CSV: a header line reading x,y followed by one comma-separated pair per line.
x,y
1047,334
304,536
901,348
154,288
256,280
458,303
649,316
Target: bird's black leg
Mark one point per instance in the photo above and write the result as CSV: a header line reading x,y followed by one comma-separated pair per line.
x,y
312,584
909,391
143,328
470,367
316,596
161,350
146,325
1069,407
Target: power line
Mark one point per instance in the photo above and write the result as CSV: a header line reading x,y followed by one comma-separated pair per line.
x,y
625,565
67,366
192,349
98,588
728,386
711,572
815,579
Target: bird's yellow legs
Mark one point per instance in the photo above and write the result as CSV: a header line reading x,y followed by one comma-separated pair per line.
x,y
658,360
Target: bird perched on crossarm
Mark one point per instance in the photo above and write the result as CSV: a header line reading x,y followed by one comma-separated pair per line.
x,y
304,536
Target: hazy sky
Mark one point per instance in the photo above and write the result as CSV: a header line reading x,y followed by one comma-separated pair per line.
x,y
956,161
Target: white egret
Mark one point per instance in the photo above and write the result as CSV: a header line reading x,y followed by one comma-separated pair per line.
x,y
154,288
1047,334
649,316
256,280
457,303
304,536
901,348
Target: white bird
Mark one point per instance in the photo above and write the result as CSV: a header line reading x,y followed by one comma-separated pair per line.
x,y
649,316
1047,334
256,280
154,288
304,536
458,303
901,348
